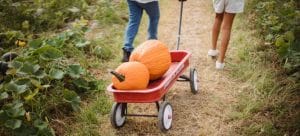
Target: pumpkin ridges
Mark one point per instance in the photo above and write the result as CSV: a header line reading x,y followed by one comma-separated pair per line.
x,y
155,55
142,51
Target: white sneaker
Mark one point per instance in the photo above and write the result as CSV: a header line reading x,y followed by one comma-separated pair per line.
x,y
220,66
213,53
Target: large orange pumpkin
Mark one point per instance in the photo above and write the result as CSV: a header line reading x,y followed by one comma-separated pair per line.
x,y
130,76
155,56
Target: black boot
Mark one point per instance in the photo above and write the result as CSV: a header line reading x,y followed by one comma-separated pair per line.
x,y
126,55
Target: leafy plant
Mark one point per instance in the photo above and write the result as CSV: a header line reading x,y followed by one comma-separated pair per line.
x,y
39,15
49,77
41,71
270,65
280,26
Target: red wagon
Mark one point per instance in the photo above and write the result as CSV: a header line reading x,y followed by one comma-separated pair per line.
x,y
156,90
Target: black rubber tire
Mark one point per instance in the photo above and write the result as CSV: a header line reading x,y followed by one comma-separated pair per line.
x,y
113,114
193,81
161,114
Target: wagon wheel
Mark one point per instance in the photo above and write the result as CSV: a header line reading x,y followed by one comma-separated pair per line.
x,y
165,116
118,115
194,80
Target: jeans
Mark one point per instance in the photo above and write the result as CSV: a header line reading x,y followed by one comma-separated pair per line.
x,y
135,15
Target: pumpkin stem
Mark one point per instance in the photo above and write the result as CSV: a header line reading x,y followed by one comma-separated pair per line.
x,y
120,77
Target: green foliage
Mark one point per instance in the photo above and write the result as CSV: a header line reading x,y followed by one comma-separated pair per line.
x,y
91,117
8,38
39,15
103,51
49,77
41,78
279,23
269,98
107,11
72,98
22,20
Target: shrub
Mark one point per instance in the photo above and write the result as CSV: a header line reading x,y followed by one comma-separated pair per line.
x,y
44,79
280,26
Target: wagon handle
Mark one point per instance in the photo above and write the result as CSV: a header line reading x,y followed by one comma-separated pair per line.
x,y
180,22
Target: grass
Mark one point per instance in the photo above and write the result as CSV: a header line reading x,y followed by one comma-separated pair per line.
x,y
88,120
269,104
96,106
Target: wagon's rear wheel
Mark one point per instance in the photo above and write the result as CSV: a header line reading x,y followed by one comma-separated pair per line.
x,y
165,116
194,81
118,115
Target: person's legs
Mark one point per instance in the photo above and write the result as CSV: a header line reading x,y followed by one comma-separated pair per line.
x,y
216,29
135,15
213,52
226,31
153,12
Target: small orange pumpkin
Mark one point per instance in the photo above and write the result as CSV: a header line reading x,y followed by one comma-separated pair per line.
x,y
155,56
130,76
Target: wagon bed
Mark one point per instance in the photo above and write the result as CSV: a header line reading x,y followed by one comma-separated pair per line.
x,y
157,88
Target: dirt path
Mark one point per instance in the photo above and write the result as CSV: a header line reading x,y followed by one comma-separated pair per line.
x,y
206,113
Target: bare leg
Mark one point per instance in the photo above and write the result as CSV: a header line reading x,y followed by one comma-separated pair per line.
x,y
216,29
226,31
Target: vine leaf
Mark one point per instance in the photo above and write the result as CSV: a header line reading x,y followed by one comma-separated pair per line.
x,y
15,110
3,95
29,68
49,53
56,74
13,123
75,71
35,43
72,98
31,95
13,87
41,125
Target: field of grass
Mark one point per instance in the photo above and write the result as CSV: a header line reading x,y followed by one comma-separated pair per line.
x,y
269,103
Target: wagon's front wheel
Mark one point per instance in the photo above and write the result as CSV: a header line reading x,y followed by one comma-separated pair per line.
x,y
118,115
165,116
194,81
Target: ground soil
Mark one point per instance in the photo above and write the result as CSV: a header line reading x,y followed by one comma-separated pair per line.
x,y
206,113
